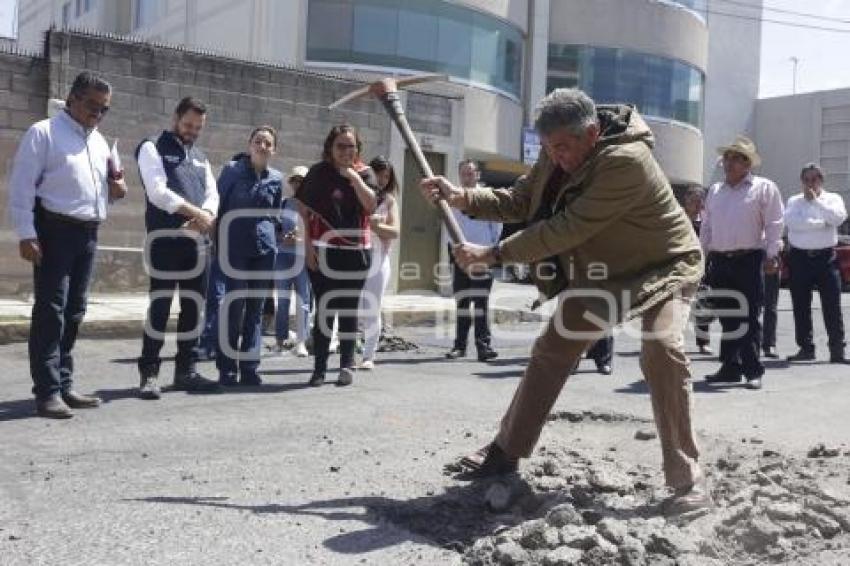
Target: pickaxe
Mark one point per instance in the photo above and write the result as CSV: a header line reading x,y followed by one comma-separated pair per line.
x,y
386,90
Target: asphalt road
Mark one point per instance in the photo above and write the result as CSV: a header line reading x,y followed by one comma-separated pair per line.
x,y
287,474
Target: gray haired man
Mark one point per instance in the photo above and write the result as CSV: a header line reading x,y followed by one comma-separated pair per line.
x,y
596,200
62,177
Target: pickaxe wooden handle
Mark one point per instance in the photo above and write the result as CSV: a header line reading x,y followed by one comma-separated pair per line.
x,y
386,90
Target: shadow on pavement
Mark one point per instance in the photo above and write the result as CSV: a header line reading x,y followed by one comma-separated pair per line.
x,y
452,520
17,410
700,386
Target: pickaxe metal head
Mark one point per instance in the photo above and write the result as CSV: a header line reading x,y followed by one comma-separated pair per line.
x,y
387,85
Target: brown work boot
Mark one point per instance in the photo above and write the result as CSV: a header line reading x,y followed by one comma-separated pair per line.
x,y
53,407
79,401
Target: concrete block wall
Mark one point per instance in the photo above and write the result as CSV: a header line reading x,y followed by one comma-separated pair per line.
x,y
23,100
148,81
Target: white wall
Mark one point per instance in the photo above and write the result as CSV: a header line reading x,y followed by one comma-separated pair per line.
x,y
791,131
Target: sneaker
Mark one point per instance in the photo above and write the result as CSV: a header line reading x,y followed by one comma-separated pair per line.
x,y
193,382
301,350
79,401
455,353
367,365
346,377
149,388
317,379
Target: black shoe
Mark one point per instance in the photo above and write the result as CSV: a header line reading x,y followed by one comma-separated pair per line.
x,y
724,376
194,382
603,368
838,358
456,353
317,379
250,380
496,463
487,354
754,383
227,379
804,355
770,352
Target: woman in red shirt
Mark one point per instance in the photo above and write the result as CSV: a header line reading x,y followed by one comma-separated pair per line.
x,y
337,197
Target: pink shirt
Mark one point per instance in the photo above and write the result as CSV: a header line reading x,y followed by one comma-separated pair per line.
x,y
746,216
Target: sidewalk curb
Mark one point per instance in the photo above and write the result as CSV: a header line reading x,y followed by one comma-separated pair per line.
x,y
122,329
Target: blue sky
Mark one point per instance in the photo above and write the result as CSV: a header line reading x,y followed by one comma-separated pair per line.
x,y
824,57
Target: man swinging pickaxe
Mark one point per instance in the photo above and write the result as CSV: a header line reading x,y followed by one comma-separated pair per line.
x,y
386,90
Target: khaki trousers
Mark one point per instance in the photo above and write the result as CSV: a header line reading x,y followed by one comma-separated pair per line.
x,y
663,362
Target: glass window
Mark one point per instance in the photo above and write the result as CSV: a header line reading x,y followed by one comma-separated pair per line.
x,y
375,31
329,34
426,35
657,86
419,44
147,12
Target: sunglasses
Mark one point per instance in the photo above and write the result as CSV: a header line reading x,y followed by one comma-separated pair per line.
x,y
94,107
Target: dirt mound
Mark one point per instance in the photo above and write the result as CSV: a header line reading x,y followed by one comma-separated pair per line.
x,y
586,506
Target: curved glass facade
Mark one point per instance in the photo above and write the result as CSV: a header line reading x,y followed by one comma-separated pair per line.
x,y
426,35
698,6
660,87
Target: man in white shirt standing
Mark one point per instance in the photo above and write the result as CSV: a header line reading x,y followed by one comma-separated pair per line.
x,y
812,218
741,233
473,290
63,176
181,205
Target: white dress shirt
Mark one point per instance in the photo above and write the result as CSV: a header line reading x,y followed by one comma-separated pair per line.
x,y
812,223
481,232
156,183
65,166
744,217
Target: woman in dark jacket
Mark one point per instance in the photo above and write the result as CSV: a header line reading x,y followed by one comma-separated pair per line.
x,y
247,246
337,197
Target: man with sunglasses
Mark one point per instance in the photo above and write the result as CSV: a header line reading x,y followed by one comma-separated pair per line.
x,y
62,178
741,232
813,218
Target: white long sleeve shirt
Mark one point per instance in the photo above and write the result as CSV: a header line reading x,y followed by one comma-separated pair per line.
x,y
156,183
812,224
481,232
65,166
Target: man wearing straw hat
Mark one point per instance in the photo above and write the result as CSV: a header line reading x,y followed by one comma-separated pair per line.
x,y
742,235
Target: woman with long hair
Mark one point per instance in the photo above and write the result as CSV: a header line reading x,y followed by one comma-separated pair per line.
x,y
247,247
337,198
385,224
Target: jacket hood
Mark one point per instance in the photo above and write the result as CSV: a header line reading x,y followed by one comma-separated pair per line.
x,y
621,124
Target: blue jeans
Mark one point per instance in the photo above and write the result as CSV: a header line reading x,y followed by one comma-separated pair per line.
x,y
61,284
244,316
215,294
299,280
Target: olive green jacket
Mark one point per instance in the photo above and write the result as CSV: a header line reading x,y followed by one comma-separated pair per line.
x,y
616,228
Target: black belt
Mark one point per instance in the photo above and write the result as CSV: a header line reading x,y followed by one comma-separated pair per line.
x,y
734,253
64,218
812,253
